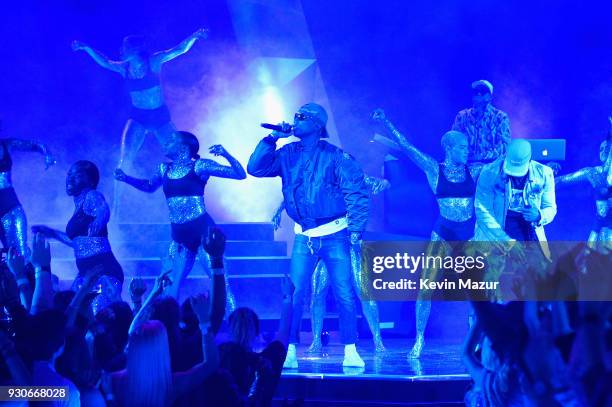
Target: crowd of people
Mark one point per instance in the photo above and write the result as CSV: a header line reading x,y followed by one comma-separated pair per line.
x,y
153,352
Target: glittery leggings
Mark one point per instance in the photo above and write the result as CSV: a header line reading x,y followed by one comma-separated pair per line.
x,y
108,289
187,259
437,247
15,229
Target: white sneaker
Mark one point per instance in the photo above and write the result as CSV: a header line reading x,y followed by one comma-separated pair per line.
x,y
291,359
351,357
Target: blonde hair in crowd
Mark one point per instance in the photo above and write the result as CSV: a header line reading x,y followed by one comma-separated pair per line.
x,y
149,374
244,326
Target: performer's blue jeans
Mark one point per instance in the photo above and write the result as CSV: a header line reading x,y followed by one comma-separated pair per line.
x,y
334,251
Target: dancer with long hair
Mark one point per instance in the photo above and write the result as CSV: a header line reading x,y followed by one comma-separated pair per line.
x,y
87,233
453,182
14,230
600,180
183,180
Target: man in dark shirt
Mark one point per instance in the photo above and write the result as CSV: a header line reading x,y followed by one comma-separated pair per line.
x,y
486,127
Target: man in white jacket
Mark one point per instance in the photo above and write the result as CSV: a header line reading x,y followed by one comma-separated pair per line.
x,y
515,199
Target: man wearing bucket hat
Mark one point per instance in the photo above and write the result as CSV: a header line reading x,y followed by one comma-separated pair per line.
x,y
326,195
486,127
515,199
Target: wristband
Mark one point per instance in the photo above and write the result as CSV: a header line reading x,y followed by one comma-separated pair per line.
x,y
216,262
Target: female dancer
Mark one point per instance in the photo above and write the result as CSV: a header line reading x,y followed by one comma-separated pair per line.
x,y
14,225
87,234
141,70
600,179
320,284
183,180
454,184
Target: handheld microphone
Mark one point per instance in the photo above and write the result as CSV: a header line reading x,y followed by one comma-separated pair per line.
x,y
283,129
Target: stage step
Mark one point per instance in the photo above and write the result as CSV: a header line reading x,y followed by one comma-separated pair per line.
x,y
161,231
151,266
131,249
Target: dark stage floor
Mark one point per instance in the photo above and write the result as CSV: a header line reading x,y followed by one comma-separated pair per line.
x,y
437,378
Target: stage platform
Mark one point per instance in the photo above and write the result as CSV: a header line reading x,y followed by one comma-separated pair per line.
x,y
438,378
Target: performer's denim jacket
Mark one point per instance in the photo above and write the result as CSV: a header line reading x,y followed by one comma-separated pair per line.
x,y
493,200
331,184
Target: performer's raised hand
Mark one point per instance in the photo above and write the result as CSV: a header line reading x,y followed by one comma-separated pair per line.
x,y
218,150
49,161
202,33
379,115
78,46
120,175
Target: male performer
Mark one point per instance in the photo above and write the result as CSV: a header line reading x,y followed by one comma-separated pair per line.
x,y
515,199
326,195
486,127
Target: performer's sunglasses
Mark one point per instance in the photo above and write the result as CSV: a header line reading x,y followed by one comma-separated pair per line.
x,y
301,116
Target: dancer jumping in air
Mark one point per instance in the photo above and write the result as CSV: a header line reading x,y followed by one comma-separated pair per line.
x,y
600,179
87,233
141,70
453,182
14,224
183,180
